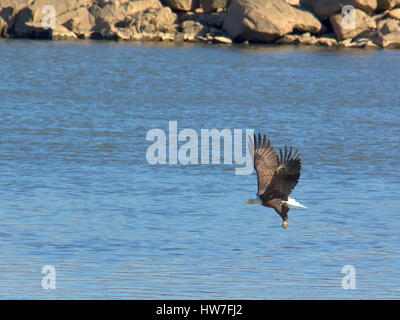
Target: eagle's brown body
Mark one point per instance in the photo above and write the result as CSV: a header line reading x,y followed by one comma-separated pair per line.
x,y
276,175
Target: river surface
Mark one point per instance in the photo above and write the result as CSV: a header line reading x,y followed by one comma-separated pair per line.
x,y
84,215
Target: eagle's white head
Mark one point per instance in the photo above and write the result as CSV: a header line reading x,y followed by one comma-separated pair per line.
x,y
254,200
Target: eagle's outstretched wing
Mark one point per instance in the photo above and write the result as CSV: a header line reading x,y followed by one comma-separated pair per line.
x,y
265,161
286,176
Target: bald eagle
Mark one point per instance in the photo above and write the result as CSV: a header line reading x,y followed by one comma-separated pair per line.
x,y
276,175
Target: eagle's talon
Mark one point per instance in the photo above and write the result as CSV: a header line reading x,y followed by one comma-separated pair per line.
x,y
284,225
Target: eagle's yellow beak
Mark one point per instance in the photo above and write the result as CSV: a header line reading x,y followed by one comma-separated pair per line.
x,y
254,200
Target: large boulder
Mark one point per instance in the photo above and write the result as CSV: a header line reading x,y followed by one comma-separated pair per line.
x,y
362,22
323,9
182,5
267,20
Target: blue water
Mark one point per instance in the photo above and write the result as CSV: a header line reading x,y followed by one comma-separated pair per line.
x,y
77,193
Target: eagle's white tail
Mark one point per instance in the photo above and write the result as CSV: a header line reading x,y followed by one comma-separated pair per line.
x,y
293,203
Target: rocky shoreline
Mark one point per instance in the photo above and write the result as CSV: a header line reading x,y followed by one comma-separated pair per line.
x,y
283,22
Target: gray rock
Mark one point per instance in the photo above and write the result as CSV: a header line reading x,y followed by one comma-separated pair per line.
x,y
213,5
215,20
192,29
183,5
